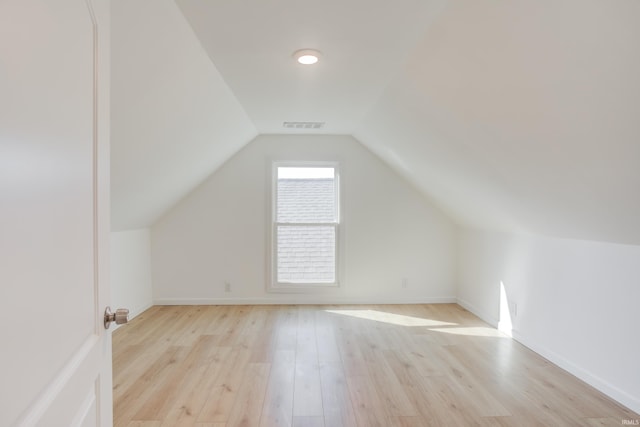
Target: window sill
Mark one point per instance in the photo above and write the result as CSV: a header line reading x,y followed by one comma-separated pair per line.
x,y
302,287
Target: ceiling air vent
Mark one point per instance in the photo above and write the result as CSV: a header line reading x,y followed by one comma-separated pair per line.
x,y
303,125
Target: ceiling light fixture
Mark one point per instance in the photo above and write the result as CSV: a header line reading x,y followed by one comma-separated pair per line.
x,y
307,56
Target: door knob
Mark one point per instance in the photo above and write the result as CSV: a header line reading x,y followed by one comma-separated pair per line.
x,y
121,316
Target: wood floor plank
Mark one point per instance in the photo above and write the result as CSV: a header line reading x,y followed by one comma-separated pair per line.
x,y
191,395
248,405
144,424
368,406
223,392
440,404
236,319
182,376
350,354
325,338
197,324
336,401
128,401
264,346
390,390
308,422
415,421
469,388
286,328
339,366
277,410
307,399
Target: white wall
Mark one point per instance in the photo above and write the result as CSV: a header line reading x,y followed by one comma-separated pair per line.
x,y
218,233
577,302
131,271
173,118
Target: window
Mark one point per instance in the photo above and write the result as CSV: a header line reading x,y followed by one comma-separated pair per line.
x,y
305,220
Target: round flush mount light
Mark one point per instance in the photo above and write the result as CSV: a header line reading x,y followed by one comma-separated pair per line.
x,y
307,56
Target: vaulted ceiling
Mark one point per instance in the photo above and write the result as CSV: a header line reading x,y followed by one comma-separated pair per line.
x,y
509,115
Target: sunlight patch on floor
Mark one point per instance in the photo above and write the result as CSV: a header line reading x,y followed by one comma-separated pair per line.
x,y
391,318
474,331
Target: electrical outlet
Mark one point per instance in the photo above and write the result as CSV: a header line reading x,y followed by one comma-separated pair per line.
x,y
227,287
405,282
515,310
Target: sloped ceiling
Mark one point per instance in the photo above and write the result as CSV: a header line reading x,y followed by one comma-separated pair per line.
x,y
173,118
510,115
522,116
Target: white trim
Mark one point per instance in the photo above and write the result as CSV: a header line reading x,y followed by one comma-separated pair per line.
x,y
141,309
303,300
594,381
95,174
303,288
306,224
482,315
37,409
272,283
85,409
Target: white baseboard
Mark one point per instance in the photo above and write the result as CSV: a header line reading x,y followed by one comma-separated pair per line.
x,y
594,381
301,300
139,310
482,315
599,384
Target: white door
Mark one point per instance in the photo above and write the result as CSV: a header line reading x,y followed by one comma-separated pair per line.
x,y
55,355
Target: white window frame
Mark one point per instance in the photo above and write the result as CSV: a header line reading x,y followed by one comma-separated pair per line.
x,y
272,273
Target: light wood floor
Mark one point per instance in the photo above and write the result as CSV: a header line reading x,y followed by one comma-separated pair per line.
x,y
332,366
